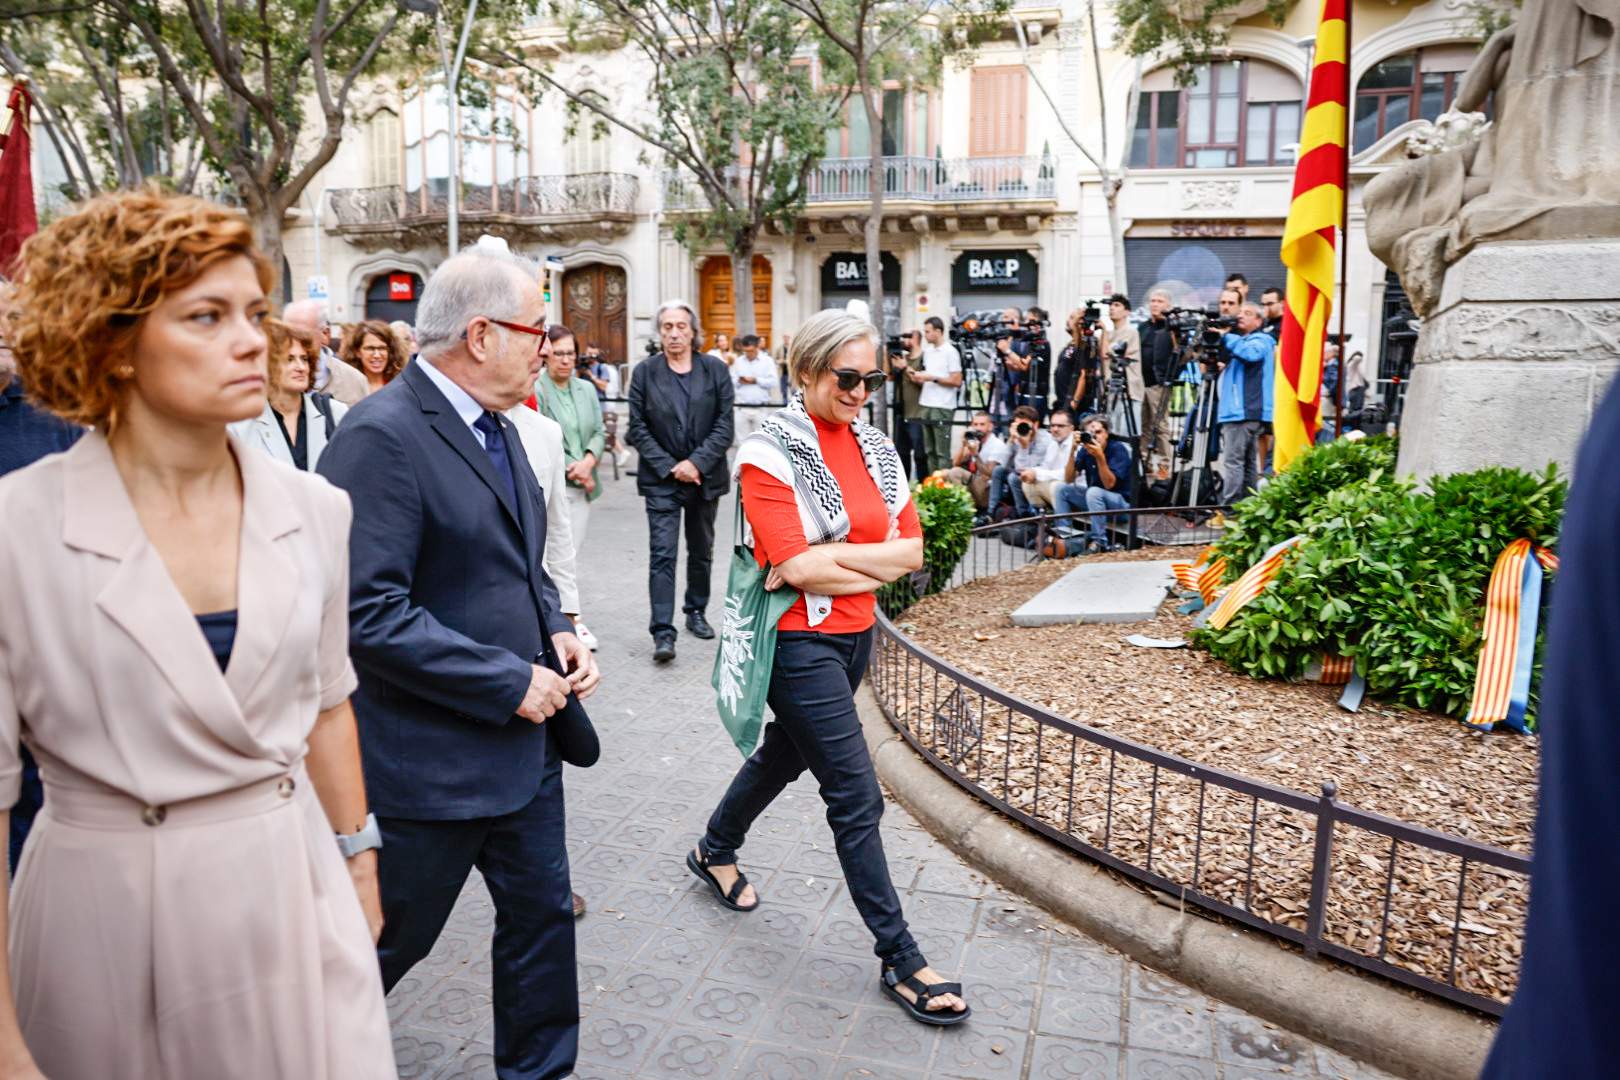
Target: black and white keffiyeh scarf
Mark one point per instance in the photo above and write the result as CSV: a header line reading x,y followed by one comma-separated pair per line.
x,y
786,447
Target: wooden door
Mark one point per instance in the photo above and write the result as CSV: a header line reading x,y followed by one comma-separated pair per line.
x,y
717,303
594,308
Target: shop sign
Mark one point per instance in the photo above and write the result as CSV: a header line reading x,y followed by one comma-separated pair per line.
x,y
995,271
401,287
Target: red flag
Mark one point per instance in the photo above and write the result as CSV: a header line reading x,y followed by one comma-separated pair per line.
x,y
17,218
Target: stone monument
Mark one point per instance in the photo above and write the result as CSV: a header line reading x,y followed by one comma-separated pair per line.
x,y
1506,236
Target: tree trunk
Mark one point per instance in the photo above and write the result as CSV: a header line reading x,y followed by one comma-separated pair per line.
x,y
267,226
1111,188
874,224
742,286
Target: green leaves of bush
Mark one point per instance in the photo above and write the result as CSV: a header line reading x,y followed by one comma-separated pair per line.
x,y
1388,574
946,515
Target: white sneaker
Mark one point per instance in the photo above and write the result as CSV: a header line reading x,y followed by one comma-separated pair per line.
x,y
584,634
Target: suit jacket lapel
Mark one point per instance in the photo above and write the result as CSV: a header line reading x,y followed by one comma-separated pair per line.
x,y
140,596
460,437
268,578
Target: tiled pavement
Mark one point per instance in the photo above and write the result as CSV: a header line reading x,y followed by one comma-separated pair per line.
x,y
672,985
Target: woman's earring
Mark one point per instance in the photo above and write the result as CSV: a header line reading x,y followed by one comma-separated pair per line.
x,y
124,371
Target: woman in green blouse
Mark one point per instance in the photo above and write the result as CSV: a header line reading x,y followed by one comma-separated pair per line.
x,y
572,402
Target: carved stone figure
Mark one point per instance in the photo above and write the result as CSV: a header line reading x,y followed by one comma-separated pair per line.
x,y
1548,169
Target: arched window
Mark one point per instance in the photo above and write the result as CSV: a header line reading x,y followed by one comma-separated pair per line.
x,y
383,149
1235,113
1401,88
589,148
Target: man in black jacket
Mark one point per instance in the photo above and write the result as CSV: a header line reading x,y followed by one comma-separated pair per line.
x,y
681,426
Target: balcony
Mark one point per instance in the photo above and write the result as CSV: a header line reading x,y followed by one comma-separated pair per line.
x,y
917,191
527,208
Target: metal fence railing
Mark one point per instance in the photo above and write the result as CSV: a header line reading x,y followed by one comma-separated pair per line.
x,y
1406,902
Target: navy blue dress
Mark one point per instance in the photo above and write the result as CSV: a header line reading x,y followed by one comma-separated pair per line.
x,y
1563,1019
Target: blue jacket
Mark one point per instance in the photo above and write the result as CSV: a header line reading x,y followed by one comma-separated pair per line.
x,y
1245,386
449,604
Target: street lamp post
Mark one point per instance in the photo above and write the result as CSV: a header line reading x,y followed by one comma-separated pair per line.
x,y
452,77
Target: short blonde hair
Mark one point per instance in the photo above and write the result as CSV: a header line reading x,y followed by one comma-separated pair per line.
x,y
820,339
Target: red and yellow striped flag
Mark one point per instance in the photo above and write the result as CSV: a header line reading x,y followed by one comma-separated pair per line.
x,y
1308,240
1252,583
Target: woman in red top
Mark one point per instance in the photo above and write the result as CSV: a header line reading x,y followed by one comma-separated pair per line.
x,y
872,537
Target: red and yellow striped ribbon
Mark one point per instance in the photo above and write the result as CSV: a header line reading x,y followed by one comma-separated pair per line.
x,y
1252,583
1187,572
1308,241
1512,609
1209,582
1336,669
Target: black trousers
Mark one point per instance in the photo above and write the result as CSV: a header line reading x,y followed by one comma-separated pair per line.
x,y
908,439
422,868
665,511
814,725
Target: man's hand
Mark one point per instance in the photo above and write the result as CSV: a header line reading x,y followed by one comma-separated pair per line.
x,y
1027,475
918,377
774,580
548,692
749,379
577,660
1093,449
687,473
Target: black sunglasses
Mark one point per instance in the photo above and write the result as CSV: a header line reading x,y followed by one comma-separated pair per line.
x,y
849,379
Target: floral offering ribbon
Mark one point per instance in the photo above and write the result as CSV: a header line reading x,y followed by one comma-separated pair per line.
x,y
1512,609
1252,583
1206,581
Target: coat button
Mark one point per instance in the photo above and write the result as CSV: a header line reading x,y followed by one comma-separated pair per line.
x,y
154,815
285,788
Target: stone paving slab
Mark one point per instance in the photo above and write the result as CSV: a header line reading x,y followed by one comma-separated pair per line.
x,y
1099,593
672,985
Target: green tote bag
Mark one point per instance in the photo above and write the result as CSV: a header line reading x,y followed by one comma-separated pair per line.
x,y
742,664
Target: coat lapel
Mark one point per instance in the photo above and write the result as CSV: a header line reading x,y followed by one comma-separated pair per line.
x,y
460,437
140,597
268,580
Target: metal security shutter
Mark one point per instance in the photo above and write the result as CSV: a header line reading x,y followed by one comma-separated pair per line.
x,y
1194,269
1000,97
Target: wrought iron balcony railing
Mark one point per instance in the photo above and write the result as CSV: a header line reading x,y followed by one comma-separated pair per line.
x,y
526,198
918,179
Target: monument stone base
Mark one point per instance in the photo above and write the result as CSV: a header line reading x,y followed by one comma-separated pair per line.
x,y
1516,357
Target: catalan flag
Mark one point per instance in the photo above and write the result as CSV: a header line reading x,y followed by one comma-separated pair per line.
x,y
1308,240
1252,583
1507,659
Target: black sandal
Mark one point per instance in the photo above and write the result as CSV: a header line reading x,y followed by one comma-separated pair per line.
x,y
697,861
926,992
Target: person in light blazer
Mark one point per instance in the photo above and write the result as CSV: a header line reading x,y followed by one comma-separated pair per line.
x,y
564,397
174,651
296,421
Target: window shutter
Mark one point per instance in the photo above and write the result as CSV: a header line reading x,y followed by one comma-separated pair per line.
x,y
999,100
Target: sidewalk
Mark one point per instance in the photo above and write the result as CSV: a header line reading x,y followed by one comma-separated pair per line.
x,y
672,985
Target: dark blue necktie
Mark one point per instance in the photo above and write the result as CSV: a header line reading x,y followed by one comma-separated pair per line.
x,y
495,444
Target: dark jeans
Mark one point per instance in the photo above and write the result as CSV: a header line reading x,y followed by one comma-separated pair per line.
x,y
814,725
525,864
664,514
908,439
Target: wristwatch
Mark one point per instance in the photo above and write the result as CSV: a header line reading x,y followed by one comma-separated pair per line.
x,y
366,839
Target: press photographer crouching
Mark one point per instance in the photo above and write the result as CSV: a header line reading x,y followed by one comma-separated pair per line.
x,y
1098,478
982,450
1032,450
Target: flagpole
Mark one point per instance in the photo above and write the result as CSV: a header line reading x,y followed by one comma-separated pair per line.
x,y
1344,224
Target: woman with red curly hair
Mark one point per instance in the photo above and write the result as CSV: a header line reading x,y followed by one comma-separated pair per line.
x,y
372,349
174,651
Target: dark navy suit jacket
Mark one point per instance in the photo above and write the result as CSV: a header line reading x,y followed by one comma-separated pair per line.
x,y
448,605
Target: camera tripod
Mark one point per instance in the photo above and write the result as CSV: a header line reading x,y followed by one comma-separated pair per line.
x,y
1196,443
1116,402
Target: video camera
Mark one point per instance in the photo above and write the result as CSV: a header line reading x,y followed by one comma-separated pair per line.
x,y
973,328
1201,329
897,345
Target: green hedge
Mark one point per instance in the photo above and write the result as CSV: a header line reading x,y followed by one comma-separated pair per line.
x,y
946,514
1388,574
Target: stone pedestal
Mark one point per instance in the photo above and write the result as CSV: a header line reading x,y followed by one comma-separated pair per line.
x,y
1516,357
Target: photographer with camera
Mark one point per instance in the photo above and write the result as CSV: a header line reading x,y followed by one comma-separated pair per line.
x,y
1012,356
1159,347
1038,370
1032,449
1245,391
975,463
754,382
1271,306
1097,478
939,377
1040,483
1076,379
904,352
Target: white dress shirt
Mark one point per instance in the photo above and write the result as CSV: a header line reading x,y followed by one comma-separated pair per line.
x,y
461,401
542,441
762,369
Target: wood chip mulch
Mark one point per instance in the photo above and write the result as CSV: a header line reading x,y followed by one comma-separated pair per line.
x,y
1421,768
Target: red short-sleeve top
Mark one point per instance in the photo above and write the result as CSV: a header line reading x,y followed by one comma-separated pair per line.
x,y
779,534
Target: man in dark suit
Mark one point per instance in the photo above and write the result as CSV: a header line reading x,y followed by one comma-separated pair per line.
x,y
460,644
681,426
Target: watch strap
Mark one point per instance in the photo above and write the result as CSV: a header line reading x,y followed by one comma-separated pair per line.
x,y
367,839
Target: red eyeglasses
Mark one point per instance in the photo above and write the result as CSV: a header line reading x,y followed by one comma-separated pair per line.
x,y
522,328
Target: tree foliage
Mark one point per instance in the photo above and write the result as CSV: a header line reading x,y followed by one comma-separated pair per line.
x,y
1186,34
